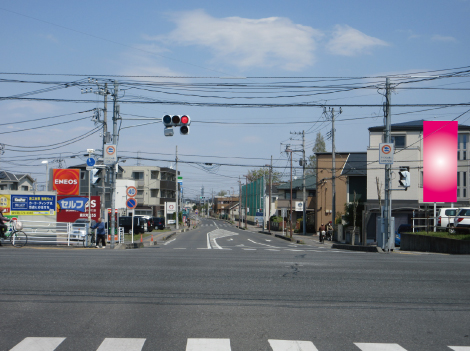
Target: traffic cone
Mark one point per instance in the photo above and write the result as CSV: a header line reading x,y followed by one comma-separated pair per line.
x,y
151,238
141,240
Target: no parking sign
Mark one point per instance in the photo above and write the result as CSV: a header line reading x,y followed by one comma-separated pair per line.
x,y
386,151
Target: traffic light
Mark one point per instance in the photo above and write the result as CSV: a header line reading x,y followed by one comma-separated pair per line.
x,y
404,180
185,121
176,121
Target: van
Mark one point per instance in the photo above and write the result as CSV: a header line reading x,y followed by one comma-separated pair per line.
x,y
139,224
445,219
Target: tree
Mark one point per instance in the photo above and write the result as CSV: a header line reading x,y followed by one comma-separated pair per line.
x,y
222,193
255,174
319,146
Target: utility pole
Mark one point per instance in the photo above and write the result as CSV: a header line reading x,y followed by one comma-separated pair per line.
x,y
239,201
105,141
246,201
270,191
176,168
387,215
304,199
290,201
113,170
333,166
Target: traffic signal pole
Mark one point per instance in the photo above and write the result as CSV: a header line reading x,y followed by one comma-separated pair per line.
x,y
387,215
113,170
176,168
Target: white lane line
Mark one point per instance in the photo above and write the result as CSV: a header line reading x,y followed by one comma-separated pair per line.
x,y
292,345
215,224
293,250
179,248
169,242
272,250
208,241
38,344
379,347
121,344
459,348
249,249
208,345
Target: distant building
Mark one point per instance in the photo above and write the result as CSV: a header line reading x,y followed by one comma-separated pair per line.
x,y
16,181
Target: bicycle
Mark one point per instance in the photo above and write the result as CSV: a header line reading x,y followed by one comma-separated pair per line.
x,y
18,238
89,240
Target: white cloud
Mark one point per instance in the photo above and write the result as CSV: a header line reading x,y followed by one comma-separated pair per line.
x,y
266,42
438,37
348,41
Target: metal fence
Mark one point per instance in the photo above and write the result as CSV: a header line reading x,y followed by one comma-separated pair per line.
x,y
60,233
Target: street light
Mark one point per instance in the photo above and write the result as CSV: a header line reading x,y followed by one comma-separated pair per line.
x,y
47,174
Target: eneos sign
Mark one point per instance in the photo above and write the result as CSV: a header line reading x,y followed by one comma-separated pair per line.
x,y
66,181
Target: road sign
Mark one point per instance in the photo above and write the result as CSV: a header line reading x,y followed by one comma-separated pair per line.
x,y
90,161
386,152
131,203
110,155
131,191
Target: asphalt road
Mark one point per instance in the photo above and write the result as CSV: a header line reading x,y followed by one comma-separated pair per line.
x,y
221,288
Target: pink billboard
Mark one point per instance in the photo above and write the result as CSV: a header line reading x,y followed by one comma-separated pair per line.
x,y
440,161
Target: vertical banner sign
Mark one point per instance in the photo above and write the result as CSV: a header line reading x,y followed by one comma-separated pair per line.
x,y
66,181
440,161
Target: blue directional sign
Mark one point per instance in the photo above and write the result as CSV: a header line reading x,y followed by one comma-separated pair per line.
x,y
90,162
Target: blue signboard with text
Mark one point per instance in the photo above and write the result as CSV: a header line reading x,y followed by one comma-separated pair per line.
x,y
31,205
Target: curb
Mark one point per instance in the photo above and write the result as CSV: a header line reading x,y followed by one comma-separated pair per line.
x,y
355,248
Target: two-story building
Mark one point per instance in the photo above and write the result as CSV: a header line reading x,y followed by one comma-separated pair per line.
x,y
408,140
16,181
225,205
350,181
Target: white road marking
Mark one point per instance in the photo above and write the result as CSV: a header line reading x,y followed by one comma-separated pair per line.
x,y
379,347
208,345
169,242
292,345
179,248
121,344
249,249
38,344
460,348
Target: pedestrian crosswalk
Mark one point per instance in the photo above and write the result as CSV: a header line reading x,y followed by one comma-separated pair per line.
x,y
204,344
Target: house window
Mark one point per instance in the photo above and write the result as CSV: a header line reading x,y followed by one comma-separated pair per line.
x,y
154,175
140,192
138,175
399,141
311,193
14,186
82,175
287,195
24,188
154,192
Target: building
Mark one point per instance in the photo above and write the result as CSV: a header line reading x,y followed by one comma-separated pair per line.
x,y
350,179
224,205
16,181
155,186
283,201
409,204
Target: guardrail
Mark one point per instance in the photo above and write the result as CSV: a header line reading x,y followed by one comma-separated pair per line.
x,y
59,233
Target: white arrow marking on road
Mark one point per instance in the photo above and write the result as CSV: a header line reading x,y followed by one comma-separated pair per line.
x,y
292,345
121,344
379,347
38,344
208,345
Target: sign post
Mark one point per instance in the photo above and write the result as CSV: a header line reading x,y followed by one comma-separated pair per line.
x,y
131,204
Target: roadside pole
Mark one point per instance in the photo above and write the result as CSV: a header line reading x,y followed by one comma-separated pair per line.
x,y
114,166
176,168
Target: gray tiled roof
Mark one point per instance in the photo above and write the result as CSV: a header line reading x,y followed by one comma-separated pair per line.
x,y
356,164
310,183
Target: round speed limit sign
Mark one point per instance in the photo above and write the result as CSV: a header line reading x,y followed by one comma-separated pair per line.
x,y
131,191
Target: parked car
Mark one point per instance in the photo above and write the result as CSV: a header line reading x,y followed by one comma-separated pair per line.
x,y
149,222
159,222
445,219
462,221
402,228
140,224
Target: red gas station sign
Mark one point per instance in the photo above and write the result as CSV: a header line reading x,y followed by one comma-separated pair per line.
x,y
66,181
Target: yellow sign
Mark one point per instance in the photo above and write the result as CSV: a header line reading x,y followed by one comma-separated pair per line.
x,y
5,204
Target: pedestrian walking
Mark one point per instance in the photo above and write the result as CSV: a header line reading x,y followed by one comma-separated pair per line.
x,y
188,221
100,233
322,232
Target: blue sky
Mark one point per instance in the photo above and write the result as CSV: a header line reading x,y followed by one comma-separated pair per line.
x,y
214,40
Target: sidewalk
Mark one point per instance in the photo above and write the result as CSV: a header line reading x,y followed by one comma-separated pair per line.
x,y
311,240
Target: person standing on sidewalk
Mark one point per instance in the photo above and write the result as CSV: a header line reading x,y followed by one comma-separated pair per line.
x,y
322,232
100,233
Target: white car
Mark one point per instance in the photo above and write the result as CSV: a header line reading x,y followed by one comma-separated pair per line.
x,y
462,221
445,219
